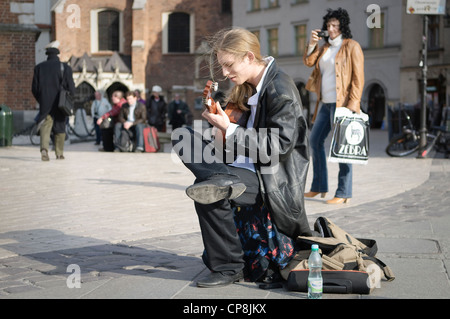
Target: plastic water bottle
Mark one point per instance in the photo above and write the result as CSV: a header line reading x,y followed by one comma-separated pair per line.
x,y
315,282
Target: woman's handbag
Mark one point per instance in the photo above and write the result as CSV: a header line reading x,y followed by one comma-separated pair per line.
x,y
350,141
106,123
65,103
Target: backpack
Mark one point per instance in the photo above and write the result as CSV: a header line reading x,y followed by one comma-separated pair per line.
x,y
151,139
349,265
125,142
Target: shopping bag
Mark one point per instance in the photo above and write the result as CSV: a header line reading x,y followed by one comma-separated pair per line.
x,y
350,140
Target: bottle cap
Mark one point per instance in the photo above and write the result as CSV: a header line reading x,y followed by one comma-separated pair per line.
x,y
315,247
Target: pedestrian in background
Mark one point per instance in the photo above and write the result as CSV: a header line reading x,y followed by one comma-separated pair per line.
x,y
338,81
111,117
157,109
177,112
99,107
132,117
48,78
139,96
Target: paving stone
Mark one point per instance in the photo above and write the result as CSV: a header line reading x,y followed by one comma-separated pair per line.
x,y
135,234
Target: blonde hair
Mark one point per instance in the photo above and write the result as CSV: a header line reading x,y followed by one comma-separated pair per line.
x,y
238,42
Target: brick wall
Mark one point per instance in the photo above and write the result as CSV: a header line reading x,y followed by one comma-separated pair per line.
x,y
75,41
16,69
149,65
178,69
168,70
17,58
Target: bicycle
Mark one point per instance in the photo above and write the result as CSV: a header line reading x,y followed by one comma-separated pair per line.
x,y
409,141
35,137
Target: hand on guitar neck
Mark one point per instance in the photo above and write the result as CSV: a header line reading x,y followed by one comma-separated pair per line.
x,y
214,113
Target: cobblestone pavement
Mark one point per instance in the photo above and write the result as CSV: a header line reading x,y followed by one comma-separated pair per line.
x,y
124,221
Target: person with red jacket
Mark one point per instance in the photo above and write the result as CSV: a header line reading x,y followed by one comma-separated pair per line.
x,y
112,117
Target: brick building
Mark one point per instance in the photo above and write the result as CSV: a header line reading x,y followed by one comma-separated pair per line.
x,y
110,44
18,35
135,44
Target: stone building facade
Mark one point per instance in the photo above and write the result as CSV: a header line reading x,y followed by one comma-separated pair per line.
x,y
390,37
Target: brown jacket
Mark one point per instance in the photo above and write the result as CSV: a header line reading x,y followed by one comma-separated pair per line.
x,y
349,74
140,113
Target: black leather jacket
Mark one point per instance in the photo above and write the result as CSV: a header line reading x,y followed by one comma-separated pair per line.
x,y
280,133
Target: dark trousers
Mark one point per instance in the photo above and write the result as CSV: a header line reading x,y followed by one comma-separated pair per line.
x,y
223,250
98,131
108,139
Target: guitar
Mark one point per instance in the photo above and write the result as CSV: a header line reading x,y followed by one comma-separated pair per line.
x,y
234,113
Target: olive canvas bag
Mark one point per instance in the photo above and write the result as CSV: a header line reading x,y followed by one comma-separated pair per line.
x,y
349,264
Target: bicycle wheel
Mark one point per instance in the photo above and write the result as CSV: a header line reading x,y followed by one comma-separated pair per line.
x,y
34,136
431,141
403,145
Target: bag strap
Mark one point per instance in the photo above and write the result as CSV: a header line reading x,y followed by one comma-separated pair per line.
x,y
62,74
328,229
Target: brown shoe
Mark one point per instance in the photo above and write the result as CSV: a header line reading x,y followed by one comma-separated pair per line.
x,y
314,194
44,156
338,200
61,157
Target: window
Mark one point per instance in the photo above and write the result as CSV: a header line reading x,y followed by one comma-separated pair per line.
x,y
255,5
300,38
226,6
108,30
272,35
256,33
273,3
84,94
376,35
299,1
179,32
433,32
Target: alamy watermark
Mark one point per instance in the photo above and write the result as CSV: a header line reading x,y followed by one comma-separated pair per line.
x,y
374,19
74,19
74,279
199,145
374,271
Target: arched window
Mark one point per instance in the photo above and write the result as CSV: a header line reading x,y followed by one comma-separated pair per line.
x,y
377,104
84,94
179,32
108,30
116,86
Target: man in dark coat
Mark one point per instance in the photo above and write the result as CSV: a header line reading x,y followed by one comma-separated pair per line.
x,y
47,80
177,112
156,109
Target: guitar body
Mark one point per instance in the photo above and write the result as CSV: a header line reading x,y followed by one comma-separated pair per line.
x,y
235,114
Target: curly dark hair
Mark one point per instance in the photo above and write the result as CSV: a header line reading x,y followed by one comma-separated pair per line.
x,y
342,16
